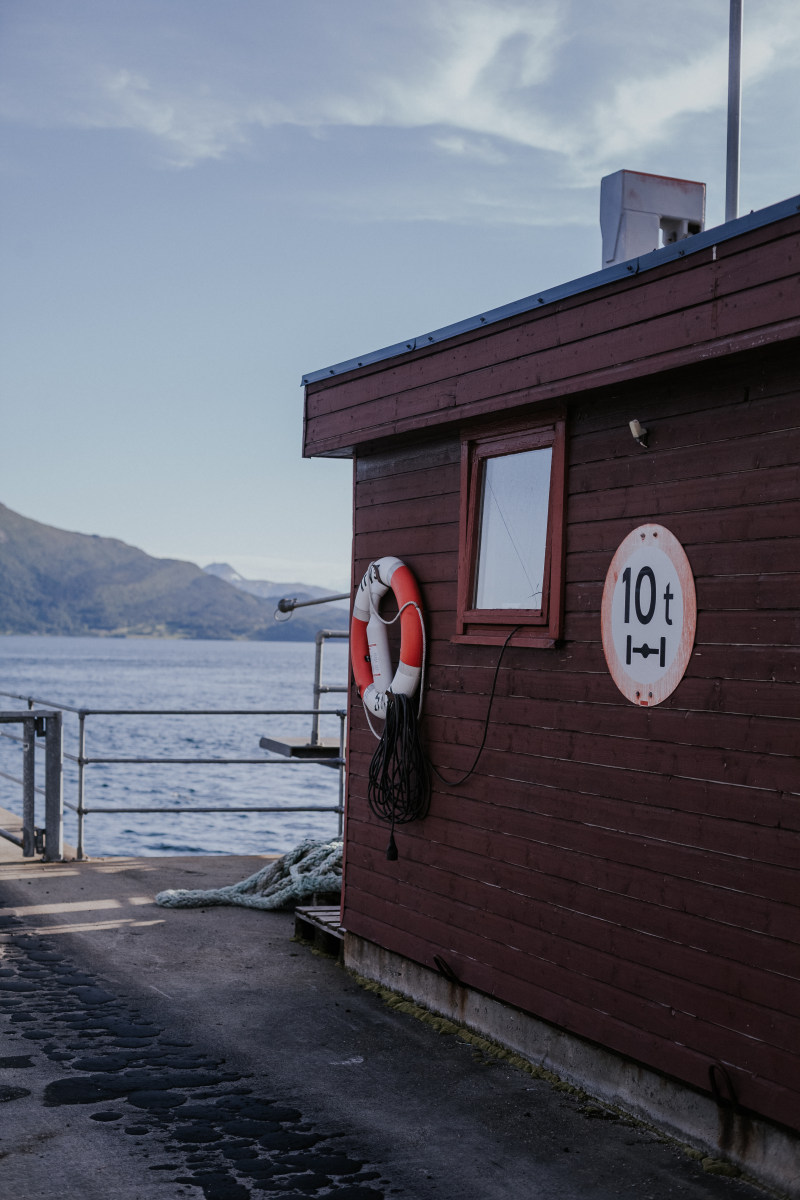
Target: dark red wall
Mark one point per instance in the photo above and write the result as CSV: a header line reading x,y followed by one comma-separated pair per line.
x,y
630,875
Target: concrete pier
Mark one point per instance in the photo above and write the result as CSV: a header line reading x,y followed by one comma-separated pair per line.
x,y
149,1052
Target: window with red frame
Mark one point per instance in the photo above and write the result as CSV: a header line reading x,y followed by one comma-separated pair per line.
x,y
512,519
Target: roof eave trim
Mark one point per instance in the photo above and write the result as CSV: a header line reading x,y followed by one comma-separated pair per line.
x,y
586,283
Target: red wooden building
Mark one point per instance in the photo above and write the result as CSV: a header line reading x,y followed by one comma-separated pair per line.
x,y
615,889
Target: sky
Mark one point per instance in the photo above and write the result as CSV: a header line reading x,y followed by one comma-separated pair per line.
x,y
202,200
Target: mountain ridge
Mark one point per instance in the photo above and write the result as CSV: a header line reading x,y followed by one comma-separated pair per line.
x,y
267,589
53,581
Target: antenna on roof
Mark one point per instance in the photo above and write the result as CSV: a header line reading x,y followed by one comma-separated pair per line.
x,y
734,111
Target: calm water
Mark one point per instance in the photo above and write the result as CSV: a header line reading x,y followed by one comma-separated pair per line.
x,y
119,673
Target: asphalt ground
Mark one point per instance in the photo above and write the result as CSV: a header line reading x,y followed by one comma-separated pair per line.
x,y
149,1052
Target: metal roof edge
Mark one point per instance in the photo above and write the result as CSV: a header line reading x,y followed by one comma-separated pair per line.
x,y
634,266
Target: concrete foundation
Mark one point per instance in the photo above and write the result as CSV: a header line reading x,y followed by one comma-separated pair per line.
x,y
767,1152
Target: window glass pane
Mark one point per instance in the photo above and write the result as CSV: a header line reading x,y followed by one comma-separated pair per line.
x,y
513,530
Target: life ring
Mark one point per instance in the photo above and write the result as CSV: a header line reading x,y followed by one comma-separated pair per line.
x,y
369,640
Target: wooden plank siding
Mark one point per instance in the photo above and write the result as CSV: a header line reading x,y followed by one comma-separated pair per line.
x,y
628,874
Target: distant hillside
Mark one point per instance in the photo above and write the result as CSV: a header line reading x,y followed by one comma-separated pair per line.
x,y
267,589
55,582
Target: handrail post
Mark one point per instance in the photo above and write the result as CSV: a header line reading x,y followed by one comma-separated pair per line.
x,y
319,640
54,794
29,787
81,765
340,814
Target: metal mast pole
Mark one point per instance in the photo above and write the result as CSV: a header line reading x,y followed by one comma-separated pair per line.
x,y
734,111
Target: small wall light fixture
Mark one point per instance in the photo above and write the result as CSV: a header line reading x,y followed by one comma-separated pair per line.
x,y
639,433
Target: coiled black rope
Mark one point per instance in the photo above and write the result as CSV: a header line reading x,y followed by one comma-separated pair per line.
x,y
399,787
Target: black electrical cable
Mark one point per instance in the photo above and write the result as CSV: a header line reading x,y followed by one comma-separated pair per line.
x,y
399,788
465,777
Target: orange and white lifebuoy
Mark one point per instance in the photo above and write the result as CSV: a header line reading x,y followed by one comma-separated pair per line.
x,y
369,640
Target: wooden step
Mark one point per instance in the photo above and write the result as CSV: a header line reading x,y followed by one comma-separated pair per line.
x,y
319,925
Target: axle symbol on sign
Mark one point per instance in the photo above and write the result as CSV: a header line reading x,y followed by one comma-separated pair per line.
x,y
646,650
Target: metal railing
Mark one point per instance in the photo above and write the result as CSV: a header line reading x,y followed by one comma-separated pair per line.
x,y
36,724
83,760
320,688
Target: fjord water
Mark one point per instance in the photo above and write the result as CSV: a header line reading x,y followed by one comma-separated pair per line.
x,y
88,672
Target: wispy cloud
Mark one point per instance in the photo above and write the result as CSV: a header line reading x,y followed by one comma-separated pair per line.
x,y
641,110
476,64
481,76
487,58
190,127
462,146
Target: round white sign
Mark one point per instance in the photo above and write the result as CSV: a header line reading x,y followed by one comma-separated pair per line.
x,y
649,615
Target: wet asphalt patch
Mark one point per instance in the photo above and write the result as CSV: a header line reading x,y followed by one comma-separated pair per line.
x,y
210,1127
